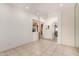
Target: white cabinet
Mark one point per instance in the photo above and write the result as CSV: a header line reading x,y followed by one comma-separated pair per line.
x,y
35,36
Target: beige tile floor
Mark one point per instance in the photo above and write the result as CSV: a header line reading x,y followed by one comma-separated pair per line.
x,y
42,48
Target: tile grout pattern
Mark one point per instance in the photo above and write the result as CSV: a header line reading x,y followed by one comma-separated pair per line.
x,y
42,48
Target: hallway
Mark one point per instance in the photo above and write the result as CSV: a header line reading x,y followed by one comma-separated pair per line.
x,y
42,48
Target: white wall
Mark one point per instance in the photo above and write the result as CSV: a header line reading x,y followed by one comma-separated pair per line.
x,y
59,28
49,34
35,17
15,27
65,25
77,25
68,25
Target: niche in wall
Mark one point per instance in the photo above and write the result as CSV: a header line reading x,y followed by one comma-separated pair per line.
x,y
35,26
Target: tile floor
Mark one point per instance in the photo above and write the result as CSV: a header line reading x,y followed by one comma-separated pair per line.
x,y
42,48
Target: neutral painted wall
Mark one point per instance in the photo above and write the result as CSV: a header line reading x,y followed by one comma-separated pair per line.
x,y
49,34
65,26
68,25
35,17
15,27
57,17
59,28
77,25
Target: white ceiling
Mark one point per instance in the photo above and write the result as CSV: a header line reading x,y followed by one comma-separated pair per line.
x,y
42,8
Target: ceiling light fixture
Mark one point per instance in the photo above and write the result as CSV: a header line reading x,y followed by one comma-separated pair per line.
x,y
27,7
61,5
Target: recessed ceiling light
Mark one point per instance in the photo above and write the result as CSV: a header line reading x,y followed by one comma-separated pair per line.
x,y
61,5
27,7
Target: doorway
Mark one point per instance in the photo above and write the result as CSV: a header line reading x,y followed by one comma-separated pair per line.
x,y
55,32
37,29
